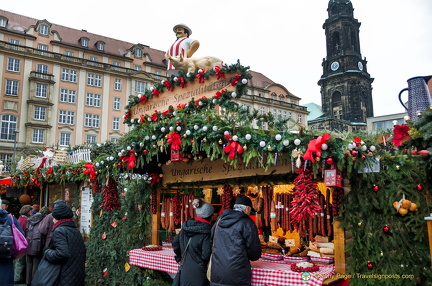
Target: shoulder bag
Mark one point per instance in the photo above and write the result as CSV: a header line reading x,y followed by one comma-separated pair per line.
x,y
20,243
47,274
211,256
176,281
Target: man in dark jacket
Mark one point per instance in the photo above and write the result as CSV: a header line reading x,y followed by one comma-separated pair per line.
x,y
235,243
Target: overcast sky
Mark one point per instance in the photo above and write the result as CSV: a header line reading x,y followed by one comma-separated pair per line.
x,y
282,39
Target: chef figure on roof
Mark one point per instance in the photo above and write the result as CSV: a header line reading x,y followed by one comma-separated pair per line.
x,y
183,45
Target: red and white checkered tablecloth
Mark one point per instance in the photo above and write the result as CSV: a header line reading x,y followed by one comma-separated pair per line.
x,y
264,272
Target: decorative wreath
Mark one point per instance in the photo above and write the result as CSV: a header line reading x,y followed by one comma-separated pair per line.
x,y
152,247
304,267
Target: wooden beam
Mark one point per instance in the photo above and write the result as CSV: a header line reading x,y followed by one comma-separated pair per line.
x,y
155,237
339,250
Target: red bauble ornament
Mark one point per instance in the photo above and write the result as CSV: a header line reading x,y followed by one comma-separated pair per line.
x,y
370,265
375,188
386,229
419,187
329,161
354,153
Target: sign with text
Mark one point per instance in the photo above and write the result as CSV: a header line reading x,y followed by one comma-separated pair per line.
x,y
180,95
207,170
86,202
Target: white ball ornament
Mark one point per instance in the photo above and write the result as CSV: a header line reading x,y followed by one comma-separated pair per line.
x,y
176,78
248,137
324,146
363,148
111,158
153,137
233,94
200,71
215,128
285,142
162,129
262,144
97,164
214,100
244,81
226,132
171,128
278,137
174,113
128,148
372,148
200,103
196,127
205,128
188,132
297,142
235,138
178,128
141,144
102,162
119,154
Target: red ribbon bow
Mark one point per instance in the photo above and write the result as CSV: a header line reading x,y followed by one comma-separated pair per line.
x,y
143,98
129,160
155,92
219,72
127,115
168,85
182,82
200,76
175,140
236,79
233,148
400,134
155,178
314,146
219,93
90,171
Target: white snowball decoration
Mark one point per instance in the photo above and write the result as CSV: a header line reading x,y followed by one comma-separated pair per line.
x,y
372,148
146,137
205,128
278,137
226,132
171,128
128,148
363,147
141,144
248,137
233,94
297,142
102,162
196,127
188,132
162,129
111,158
178,128
200,71
350,146
262,144
97,164
285,142
244,81
153,137
200,103
215,128
235,138
119,154
324,146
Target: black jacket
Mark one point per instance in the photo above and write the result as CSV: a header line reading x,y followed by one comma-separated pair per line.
x,y
236,242
198,253
67,248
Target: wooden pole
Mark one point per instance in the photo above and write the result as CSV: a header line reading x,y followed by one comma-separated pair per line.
x,y
156,222
428,220
339,251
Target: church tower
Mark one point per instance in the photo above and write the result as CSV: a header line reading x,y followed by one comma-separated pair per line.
x,y
346,90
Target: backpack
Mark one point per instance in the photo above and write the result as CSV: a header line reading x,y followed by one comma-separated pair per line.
x,y
6,240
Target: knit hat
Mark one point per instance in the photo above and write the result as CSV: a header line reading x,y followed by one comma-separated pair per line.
x,y
62,211
5,202
25,209
45,210
202,209
243,200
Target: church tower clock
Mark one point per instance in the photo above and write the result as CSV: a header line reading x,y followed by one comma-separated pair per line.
x,y
346,91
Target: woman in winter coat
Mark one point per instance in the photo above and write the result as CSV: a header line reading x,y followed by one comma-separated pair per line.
x,y
66,247
198,252
6,264
35,243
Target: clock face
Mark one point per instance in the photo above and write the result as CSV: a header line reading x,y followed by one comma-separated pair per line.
x,y
334,66
360,66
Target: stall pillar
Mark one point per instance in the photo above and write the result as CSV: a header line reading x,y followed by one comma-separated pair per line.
x,y
428,220
339,251
156,222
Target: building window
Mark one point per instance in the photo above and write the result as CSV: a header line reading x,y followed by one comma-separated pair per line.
x,y
41,68
274,96
38,136
262,110
94,79
260,94
116,105
137,68
67,95
274,112
158,72
65,139
66,117
8,127
13,65
69,55
91,139
3,22
14,42
41,90
285,114
100,46
91,120
117,84
138,53
39,113
11,87
300,118
114,140
69,75
84,42
115,63
93,99
140,86
116,123
44,30
7,161
43,49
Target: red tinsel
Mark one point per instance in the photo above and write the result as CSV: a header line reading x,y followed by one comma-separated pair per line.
x,y
175,140
219,72
400,134
90,171
233,147
110,196
314,146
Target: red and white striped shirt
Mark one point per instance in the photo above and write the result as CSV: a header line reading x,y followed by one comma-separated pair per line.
x,y
180,46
